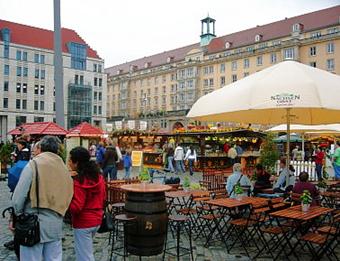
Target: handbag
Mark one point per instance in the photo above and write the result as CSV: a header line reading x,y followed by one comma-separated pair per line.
x,y
107,223
27,228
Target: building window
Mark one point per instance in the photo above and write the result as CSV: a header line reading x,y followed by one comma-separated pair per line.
x,y
95,67
6,38
38,119
19,120
19,69
81,79
5,86
94,109
24,56
36,105
42,74
234,78
6,69
25,72
36,58
95,81
53,106
222,68
36,74
42,59
100,82
17,103
246,63
24,104
24,88
18,87
164,89
42,90
100,68
205,82
173,77
330,48
99,96
288,53
273,58
42,105
313,64
211,82
259,60
316,35
330,65
36,89
95,96
205,70
312,51
234,65
245,74
19,55
211,69
78,55
5,103
222,80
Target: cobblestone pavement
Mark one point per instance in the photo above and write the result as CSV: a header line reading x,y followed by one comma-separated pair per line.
x,y
215,252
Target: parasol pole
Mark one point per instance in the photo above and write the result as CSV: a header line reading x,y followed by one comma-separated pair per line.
x,y
303,146
288,145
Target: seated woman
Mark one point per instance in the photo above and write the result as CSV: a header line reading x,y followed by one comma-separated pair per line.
x,y
262,179
237,177
280,186
304,184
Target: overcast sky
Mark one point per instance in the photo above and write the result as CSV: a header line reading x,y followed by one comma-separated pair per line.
x,y
124,30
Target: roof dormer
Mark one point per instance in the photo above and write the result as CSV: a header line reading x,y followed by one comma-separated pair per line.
x,y
170,59
147,65
227,45
120,71
133,68
297,28
258,38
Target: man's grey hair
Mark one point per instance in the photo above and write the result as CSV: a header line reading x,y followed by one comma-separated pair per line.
x,y
50,144
237,167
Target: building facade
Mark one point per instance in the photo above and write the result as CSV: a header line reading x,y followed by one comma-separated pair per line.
x,y
27,78
157,87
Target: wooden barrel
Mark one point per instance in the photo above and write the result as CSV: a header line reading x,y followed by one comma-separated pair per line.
x,y
146,236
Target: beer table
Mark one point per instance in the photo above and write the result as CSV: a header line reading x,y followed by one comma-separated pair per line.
x,y
147,203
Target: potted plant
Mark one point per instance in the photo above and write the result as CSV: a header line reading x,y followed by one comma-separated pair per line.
x,y
322,185
5,156
306,200
195,186
238,190
186,183
144,176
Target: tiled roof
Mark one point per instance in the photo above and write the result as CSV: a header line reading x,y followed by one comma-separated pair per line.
x,y
42,38
310,21
85,129
39,128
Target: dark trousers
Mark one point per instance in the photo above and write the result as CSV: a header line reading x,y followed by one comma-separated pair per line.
x,y
110,170
191,165
318,168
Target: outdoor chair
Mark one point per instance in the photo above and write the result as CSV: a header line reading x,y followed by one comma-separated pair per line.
x,y
324,240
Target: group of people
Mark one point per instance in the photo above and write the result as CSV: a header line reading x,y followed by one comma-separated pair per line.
x,y
263,181
77,187
175,158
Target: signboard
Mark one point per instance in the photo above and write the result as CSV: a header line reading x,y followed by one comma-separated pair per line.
x,y
118,125
131,125
143,125
137,158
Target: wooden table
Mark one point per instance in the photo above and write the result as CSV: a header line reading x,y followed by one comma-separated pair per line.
x,y
299,217
233,203
147,203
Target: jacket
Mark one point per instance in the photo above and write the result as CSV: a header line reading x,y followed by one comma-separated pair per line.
x,y
88,201
190,156
179,153
127,161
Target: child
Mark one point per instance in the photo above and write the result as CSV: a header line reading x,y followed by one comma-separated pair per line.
x,y
127,163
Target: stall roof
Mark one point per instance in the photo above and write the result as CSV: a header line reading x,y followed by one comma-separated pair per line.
x,y
85,129
39,128
235,133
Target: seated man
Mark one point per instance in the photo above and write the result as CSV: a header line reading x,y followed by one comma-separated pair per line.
x,y
280,185
262,179
303,184
237,177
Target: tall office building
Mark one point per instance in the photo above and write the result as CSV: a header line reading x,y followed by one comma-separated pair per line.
x,y
162,87
27,78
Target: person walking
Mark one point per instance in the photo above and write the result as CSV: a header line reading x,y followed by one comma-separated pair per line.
x,y
88,202
55,194
319,160
100,151
110,163
179,157
336,161
170,155
127,164
192,158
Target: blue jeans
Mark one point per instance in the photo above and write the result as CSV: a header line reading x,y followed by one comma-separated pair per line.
x,y
336,172
110,170
318,168
180,166
191,165
49,251
127,172
83,243
171,164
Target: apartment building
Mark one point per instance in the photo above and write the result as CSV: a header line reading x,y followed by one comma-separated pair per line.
x,y
162,87
27,91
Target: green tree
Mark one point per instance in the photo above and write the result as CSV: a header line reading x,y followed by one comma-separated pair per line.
x,y
269,153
